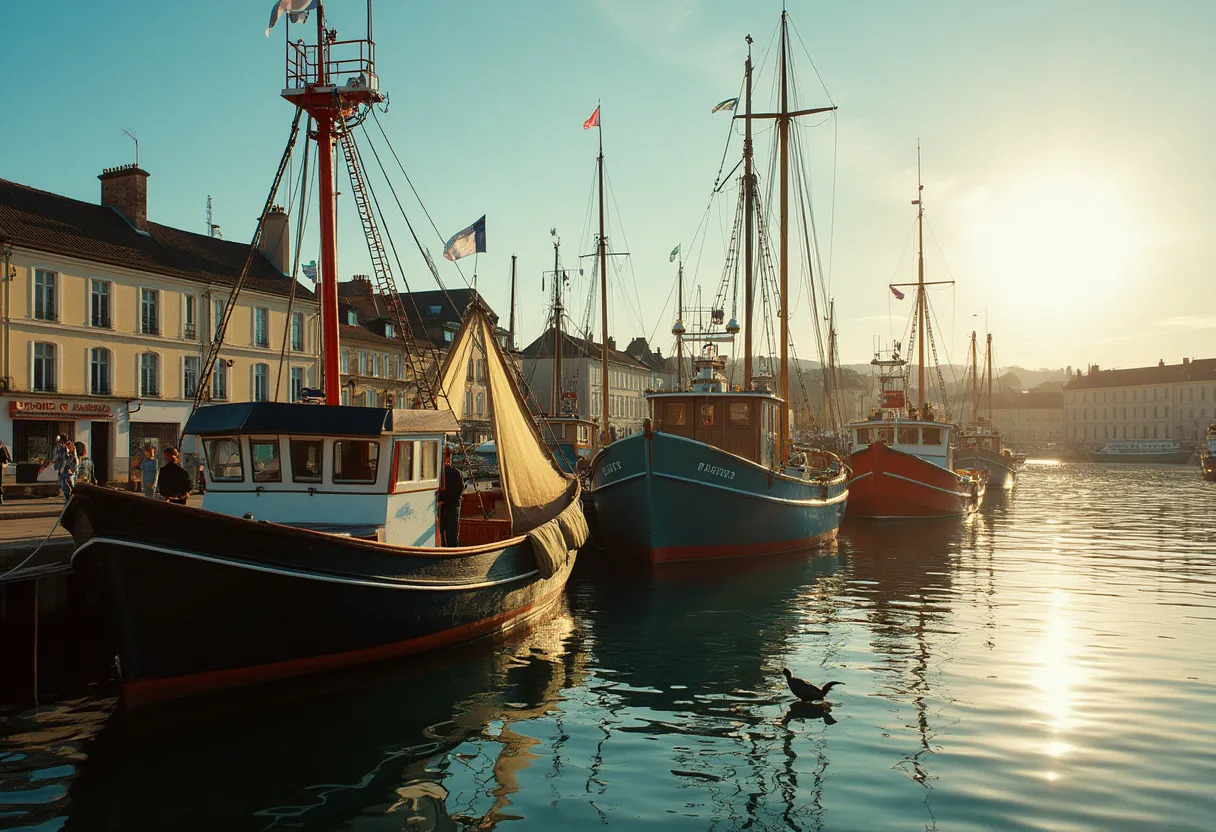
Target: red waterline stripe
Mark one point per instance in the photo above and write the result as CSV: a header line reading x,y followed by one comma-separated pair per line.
x,y
669,554
141,692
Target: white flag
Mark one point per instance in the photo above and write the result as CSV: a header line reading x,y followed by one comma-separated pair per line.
x,y
296,10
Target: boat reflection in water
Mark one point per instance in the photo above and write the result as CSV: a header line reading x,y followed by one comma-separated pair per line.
x,y
323,752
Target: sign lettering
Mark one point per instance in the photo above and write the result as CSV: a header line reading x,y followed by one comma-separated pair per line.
x,y
52,409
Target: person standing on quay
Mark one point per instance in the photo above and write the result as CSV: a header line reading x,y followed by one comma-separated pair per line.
x,y
85,472
5,458
146,465
451,489
173,482
65,463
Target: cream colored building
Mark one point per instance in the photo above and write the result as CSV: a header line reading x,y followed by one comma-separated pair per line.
x,y
1029,419
108,319
1168,401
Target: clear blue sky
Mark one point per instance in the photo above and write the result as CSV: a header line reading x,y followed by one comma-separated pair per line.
x,y
1069,178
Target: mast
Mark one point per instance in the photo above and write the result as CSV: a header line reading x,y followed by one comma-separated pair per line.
x,y
783,141
988,358
748,195
328,267
511,325
920,292
603,294
975,386
678,329
556,399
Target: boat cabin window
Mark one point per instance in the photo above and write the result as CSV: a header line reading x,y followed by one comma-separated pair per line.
x,y
740,414
264,456
707,414
405,462
676,414
864,436
355,460
933,436
909,436
584,435
307,457
886,435
224,460
430,461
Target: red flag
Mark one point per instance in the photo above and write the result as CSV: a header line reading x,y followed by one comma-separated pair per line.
x,y
898,294
594,121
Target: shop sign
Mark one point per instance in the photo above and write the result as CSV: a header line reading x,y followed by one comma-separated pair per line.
x,y
52,409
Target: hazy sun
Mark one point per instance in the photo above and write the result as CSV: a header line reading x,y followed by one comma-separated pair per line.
x,y
1052,242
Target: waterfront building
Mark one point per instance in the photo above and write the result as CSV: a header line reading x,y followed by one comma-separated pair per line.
x,y
108,317
582,383
1167,401
1028,418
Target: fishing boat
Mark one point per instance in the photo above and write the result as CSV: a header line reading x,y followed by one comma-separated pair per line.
x,y
1207,455
316,546
904,456
1140,451
713,473
980,444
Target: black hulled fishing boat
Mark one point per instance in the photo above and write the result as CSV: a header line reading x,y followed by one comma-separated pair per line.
x,y
316,546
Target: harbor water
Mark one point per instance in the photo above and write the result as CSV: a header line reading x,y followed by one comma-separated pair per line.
x,y
1045,665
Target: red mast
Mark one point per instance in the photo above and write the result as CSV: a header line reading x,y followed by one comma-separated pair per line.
x,y
311,86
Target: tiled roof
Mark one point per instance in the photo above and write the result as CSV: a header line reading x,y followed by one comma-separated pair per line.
x,y
573,347
1200,369
48,222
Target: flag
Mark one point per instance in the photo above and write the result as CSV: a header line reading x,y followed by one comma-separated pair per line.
x,y
674,252
471,240
296,10
898,294
728,104
310,270
594,121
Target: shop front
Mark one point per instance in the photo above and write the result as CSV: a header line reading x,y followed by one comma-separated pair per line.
x,y
35,422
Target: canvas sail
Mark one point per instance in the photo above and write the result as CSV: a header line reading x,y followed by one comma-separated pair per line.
x,y
535,489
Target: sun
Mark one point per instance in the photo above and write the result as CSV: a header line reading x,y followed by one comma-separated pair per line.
x,y
1053,243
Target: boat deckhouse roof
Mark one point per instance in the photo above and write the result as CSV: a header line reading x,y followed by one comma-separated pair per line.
x,y
316,420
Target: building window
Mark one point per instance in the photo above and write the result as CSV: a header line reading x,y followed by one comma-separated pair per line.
x,y
376,364
44,295
149,311
99,371
99,304
261,382
190,317
468,402
261,326
219,380
149,374
297,331
345,395
389,332
218,307
297,383
362,363
447,336
190,372
352,317
44,368
481,404
434,310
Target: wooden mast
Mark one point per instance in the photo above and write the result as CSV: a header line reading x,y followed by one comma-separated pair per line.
x,y
988,359
605,436
975,385
329,249
748,196
555,401
920,292
511,325
783,141
679,327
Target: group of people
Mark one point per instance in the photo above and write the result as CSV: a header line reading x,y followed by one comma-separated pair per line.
x,y
169,480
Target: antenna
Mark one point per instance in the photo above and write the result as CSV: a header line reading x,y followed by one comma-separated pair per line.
x,y
132,137
213,230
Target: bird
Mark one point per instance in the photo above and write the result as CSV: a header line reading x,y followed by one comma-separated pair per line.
x,y
804,690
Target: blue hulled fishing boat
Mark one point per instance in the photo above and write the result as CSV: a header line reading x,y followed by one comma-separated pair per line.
x,y
714,472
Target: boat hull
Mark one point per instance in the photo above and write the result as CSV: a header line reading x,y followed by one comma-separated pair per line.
x,y
1002,470
888,483
1169,457
1208,464
664,498
200,601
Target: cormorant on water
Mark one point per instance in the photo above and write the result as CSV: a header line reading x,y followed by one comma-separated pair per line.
x,y
804,690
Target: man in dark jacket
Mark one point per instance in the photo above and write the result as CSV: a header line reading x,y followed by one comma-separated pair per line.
x,y
451,488
174,482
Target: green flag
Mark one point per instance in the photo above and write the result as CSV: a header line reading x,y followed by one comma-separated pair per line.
x,y
674,252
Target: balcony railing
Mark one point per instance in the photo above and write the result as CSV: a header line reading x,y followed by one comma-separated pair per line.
x,y
190,331
147,327
102,320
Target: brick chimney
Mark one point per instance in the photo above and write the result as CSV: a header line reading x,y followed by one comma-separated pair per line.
x,y
611,343
275,242
125,189
361,286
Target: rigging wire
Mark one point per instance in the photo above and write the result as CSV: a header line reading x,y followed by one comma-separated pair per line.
x,y
301,224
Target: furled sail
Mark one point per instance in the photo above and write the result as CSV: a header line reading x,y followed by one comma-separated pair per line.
x,y
535,488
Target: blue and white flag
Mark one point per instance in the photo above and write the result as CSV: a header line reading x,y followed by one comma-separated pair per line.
x,y
310,270
296,11
728,105
471,240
